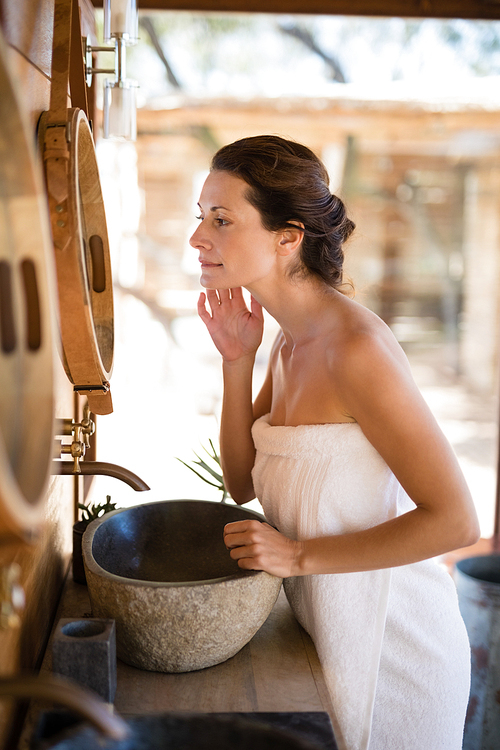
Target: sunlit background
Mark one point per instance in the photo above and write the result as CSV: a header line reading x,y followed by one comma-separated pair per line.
x,y
406,116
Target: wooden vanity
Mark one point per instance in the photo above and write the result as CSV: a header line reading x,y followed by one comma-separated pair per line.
x,y
278,671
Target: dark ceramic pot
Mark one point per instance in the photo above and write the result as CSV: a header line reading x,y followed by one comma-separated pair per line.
x,y
78,566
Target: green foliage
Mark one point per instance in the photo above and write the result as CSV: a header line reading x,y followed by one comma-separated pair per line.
x,y
241,49
214,478
91,512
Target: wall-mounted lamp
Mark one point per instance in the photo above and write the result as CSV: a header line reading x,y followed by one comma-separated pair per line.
x,y
120,20
120,28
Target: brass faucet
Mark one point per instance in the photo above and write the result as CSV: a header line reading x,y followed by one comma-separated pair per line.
x,y
82,432
101,467
68,694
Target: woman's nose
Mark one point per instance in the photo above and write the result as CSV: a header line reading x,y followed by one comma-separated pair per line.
x,y
196,239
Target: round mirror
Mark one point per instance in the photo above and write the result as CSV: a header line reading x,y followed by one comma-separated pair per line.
x,y
27,322
82,258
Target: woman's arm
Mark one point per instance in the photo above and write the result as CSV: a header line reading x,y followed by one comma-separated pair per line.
x,y
236,443
378,391
237,334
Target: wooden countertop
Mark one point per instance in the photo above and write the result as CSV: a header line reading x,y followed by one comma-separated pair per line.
x,y
278,671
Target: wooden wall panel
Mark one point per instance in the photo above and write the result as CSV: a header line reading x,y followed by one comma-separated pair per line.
x,y
27,26
33,86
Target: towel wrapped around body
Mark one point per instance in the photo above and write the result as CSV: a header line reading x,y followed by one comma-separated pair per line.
x,y
392,644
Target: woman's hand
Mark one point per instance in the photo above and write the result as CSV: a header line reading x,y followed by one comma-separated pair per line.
x,y
258,546
235,330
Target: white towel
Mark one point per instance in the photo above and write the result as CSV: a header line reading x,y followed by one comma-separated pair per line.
x,y
392,644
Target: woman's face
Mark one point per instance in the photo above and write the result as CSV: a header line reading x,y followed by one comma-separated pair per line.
x,y
234,248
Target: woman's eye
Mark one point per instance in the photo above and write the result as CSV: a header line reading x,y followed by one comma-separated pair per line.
x,y
218,220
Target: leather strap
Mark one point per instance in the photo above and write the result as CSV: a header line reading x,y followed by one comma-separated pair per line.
x,y
56,161
61,48
68,66
77,77
76,210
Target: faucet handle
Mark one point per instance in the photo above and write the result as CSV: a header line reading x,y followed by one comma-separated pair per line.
x,y
76,449
81,431
87,425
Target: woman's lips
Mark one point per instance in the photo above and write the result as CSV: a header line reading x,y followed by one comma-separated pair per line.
x,y
207,264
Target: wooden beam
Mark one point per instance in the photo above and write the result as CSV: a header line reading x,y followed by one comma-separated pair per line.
x,y
472,9
397,126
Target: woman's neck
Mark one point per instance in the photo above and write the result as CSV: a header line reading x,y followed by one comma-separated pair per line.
x,y
298,306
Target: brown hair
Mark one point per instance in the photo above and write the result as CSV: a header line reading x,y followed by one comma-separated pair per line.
x,y
287,182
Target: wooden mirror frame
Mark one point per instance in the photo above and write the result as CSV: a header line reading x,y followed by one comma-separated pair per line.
x,y
81,251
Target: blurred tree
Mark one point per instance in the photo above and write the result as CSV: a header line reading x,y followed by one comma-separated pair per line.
x,y
148,24
209,53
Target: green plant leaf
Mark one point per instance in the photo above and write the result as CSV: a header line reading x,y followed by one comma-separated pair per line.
x,y
198,474
91,512
212,473
205,466
214,454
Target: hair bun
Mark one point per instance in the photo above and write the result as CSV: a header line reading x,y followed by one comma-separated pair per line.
x,y
287,182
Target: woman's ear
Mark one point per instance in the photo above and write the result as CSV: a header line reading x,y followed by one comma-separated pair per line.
x,y
290,238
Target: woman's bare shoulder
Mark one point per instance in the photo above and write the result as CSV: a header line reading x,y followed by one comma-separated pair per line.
x,y
363,343
372,375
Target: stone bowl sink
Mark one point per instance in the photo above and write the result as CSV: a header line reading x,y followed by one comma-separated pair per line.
x,y
162,572
191,732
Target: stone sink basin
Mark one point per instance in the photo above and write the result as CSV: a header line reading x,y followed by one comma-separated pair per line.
x,y
162,572
196,732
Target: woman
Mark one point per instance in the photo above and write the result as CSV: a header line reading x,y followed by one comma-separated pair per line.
x,y
341,450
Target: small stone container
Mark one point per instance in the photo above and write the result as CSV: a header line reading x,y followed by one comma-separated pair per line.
x,y
85,652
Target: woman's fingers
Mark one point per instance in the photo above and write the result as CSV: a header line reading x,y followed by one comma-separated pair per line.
x,y
258,546
256,308
202,310
213,298
235,331
236,533
237,294
219,297
242,540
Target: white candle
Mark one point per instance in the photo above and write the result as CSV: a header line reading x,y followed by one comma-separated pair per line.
x,y
120,110
120,19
